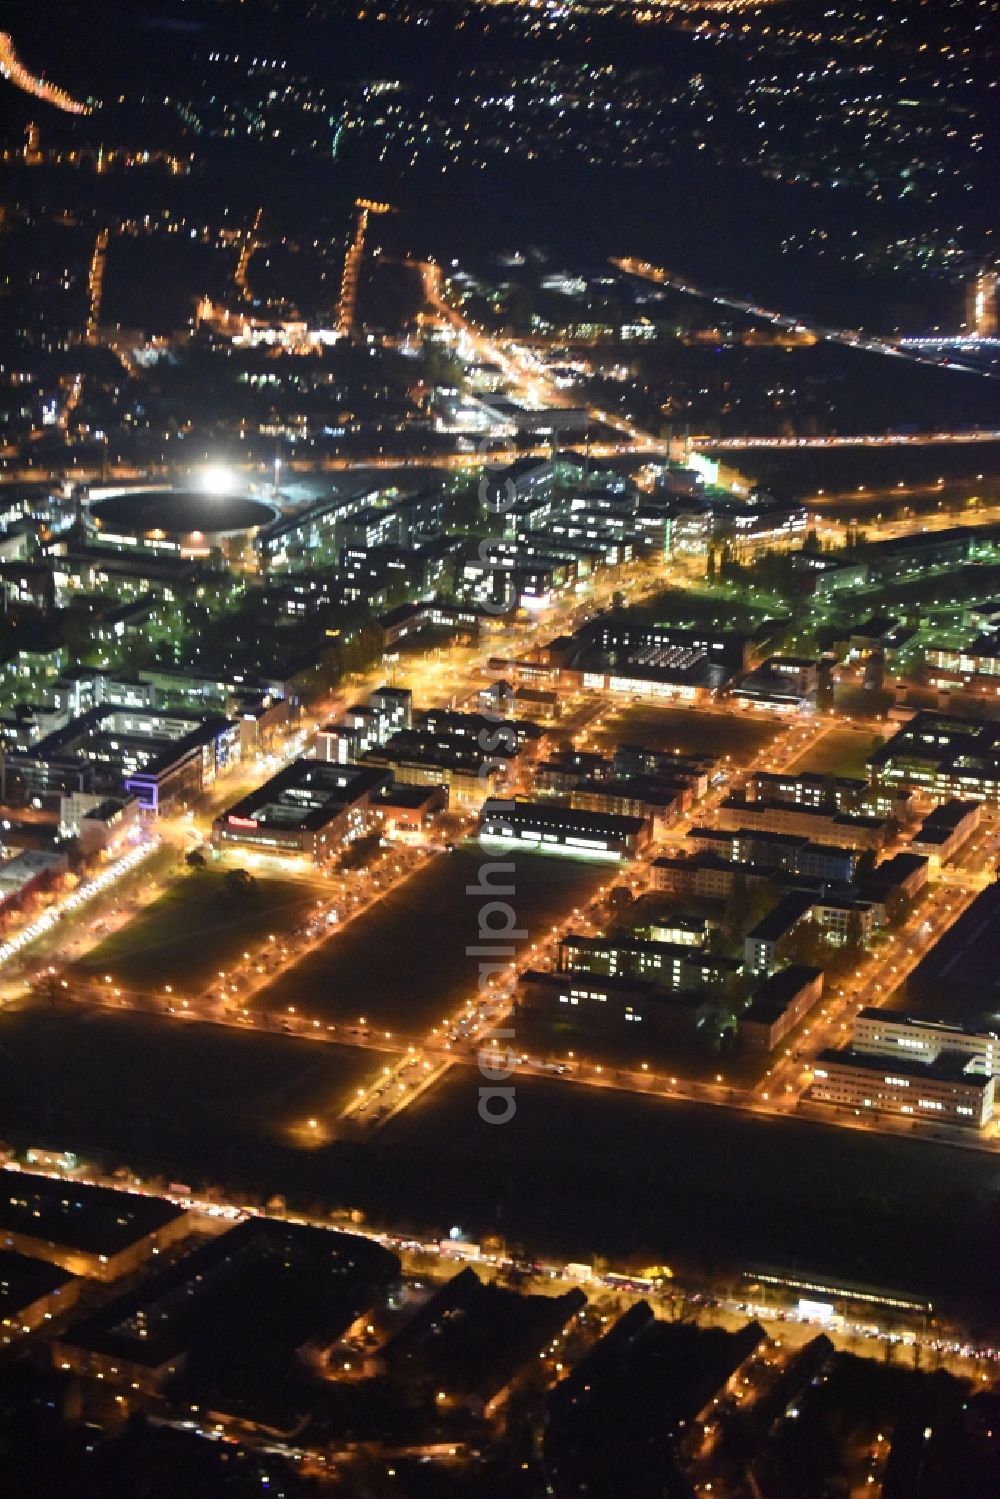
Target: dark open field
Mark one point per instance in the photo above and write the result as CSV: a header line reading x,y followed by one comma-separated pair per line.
x,y
841,752
196,928
687,730
403,965
582,1171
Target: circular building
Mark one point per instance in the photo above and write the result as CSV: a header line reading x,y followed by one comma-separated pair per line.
x,y
191,522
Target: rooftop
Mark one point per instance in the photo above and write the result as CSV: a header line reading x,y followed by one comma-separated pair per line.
x,y
24,1281
306,795
947,1066
94,1220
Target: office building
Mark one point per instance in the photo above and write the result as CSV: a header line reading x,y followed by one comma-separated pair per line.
x,y
888,1033
671,965
945,1090
943,756
309,810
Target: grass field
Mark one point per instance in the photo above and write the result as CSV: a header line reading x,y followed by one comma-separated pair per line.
x,y
583,1170
403,965
196,928
841,752
688,731
701,1186
168,1087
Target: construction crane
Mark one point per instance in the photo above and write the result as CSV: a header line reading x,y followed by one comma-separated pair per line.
x,y
247,250
352,263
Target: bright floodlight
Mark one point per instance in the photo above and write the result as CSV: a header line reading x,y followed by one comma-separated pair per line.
x,y
218,479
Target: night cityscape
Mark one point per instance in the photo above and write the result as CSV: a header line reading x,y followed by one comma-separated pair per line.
x,y
499,749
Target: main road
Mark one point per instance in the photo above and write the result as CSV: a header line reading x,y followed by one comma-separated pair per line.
x,y
852,338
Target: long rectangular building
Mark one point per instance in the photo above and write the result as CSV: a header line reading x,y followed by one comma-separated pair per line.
x,y
844,829
943,1091
887,1033
599,1002
553,827
87,1230
672,965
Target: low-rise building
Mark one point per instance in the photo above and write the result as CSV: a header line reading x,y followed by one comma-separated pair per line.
x,y
309,810
554,827
888,1033
90,1231
109,825
671,965
470,1341
408,811
945,1090
778,1004
761,944
788,852
704,875
825,792
945,830
943,755
467,772
286,1293
32,1291
783,684
608,1004
824,825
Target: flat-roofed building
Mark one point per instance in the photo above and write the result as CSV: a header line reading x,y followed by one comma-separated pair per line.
x,y
887,1033
706,876
943,1091
778,1004
458,764
946,830
671,965
553,827
970,668
943,755
648,799
309,810
159,756
790,853
408,811
760,946
823,825
266,1293
600,1002
904,872
91,1231
782,684
471,1340
32,1291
